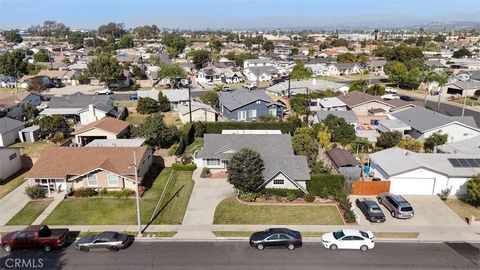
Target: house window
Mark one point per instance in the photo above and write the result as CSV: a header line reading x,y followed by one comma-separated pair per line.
x,y
272,111
242,115
92,180
12,156
258,102
278,182
112,180
213,162
252,113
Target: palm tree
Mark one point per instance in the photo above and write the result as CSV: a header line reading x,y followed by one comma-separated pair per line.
x,y
428,77
442,79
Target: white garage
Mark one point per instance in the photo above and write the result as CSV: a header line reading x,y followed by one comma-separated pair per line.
x,y
412,186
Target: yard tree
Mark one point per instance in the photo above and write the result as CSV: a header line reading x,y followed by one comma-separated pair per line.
x,y
396,71
435,139
210,98
341,131
146,32
12,36
300,72
163,103
147,106
112,29
245,170
248,41
324,139
41,57
30,112
461,53
76,39
268,46
240,58
216,45
339,43
439,38
105,68
171,71
200,58
346,58
389,139
304,144
12,63
126,41
49,29
156,132
376,90
473,190
359,85
410,144
52,123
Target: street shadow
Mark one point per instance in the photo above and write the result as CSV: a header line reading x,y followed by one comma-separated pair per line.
x,y
163,207
33,259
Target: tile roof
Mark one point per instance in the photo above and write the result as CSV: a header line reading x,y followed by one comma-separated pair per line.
x,y
67,162
109,124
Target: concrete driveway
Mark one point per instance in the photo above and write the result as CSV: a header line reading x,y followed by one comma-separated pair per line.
x,y
429,211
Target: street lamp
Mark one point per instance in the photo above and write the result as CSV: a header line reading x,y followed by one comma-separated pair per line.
x,y
135,166
469,76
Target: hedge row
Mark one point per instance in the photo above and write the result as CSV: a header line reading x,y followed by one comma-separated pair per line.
x,y
186,167
326,185
283,192
217,127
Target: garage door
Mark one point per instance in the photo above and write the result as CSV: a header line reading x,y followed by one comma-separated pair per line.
x,y
412,186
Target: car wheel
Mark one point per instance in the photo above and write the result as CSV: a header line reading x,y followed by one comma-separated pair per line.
x,y
291,247
260,247
47,248
392,213
363,248
380,200
7,248
113,249
333,247
84,249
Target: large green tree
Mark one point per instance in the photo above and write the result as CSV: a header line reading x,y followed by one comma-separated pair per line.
x,y
473,190
268,46
245,170
146,32
200,58
389,139
52,123
147,106
13,64
300,72
171,71
156,132
112,29
433,140
12,36
341,131
105,68
41,57
163,103
210,98
126,41
461,53
76,39
305,144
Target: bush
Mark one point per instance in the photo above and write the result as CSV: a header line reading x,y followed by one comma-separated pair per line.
x,y
326,185
58,137
247,196
205,173
172,149
309,197
291,196
200,129
35,192
84,192
184,160
147,106
346,206
283,192
103,192
182,167
124,193
187,133
217,127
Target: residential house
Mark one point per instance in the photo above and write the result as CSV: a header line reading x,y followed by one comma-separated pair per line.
x,y
105,128
62,169
137,142
13,103
348,68
349,116
376,66
10,162
205,75
390,125
468,146
243,105
318,69
177,97
327,104
463,88
7,81
425,122
282,168
300,87
260,73
67,77
262,62
364,104
9,129
200,112
413,173
343,162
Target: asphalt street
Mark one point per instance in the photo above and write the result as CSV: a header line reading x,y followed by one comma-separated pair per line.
x,y
239,255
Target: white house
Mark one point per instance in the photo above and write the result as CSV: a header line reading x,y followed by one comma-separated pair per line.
x,y
318,69
10,162
9,129
262,62
413,173
260,73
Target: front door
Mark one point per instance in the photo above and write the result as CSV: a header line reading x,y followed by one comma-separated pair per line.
x,y
242,115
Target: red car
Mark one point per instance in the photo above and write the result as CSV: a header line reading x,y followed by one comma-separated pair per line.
x,y
35,236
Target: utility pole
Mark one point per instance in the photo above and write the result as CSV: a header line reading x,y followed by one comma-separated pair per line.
x,y
307,109
289,90
189,99
135,167
465,98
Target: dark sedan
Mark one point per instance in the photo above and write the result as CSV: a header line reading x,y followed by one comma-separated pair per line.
x,y
112,241
276,237
370,209
407,98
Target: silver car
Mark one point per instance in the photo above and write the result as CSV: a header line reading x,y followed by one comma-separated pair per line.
x,y
396,205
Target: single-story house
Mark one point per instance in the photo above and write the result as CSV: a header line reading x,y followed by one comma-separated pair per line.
x,y
177,97
137,142
244,105
200,112
13,103
348,68
260,73
67,168
413,173
389,125
463,88
262,62
283,169
425,122
9,129
300,87
327,104
69,77
349,116
363,104
10,162
344,163
468,146
105,128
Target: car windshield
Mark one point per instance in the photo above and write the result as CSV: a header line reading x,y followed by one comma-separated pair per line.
x,y
338,234
364,234
406,209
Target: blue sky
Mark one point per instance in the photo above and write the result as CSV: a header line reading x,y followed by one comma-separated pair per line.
x,y
233,13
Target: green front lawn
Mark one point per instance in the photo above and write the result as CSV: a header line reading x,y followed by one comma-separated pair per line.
x,y
463,209
12,182
230,211
109,211
29,213
196,145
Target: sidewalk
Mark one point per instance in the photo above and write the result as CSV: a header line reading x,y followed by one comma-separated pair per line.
x,y
57,199
435,99
12,203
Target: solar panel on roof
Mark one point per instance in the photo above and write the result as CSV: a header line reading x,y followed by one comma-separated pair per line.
x,y
478,161
463,162
455,163
472,162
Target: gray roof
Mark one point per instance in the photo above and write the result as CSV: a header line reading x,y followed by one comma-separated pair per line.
x,y
259,70
176,95
276,151
349,116
239,98
345,65
79,100
392,124
137,142
467,85
8,124
469,146
395,161
300,87
424,120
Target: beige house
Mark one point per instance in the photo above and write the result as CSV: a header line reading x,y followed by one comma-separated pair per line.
x,y
200,112
68,168
105,128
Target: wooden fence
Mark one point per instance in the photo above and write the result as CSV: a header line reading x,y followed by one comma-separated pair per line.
x,y
370,187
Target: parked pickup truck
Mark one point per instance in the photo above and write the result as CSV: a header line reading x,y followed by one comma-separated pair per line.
x,y
35,236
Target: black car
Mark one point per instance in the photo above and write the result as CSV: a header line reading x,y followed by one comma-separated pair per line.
x,y
407,98
276,81
112,241
370,209
276,237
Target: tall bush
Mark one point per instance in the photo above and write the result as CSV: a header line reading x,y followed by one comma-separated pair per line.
x,y
35,192
326,185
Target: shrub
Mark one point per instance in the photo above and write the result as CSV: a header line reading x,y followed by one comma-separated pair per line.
x,y
217,127
200,129
247,196
172,149
184,160
291,196
84,192
309,197
124,193
205,173
35,192
473,190
103,192
326,185
346,206
184,167
58,137
147,106
283,192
